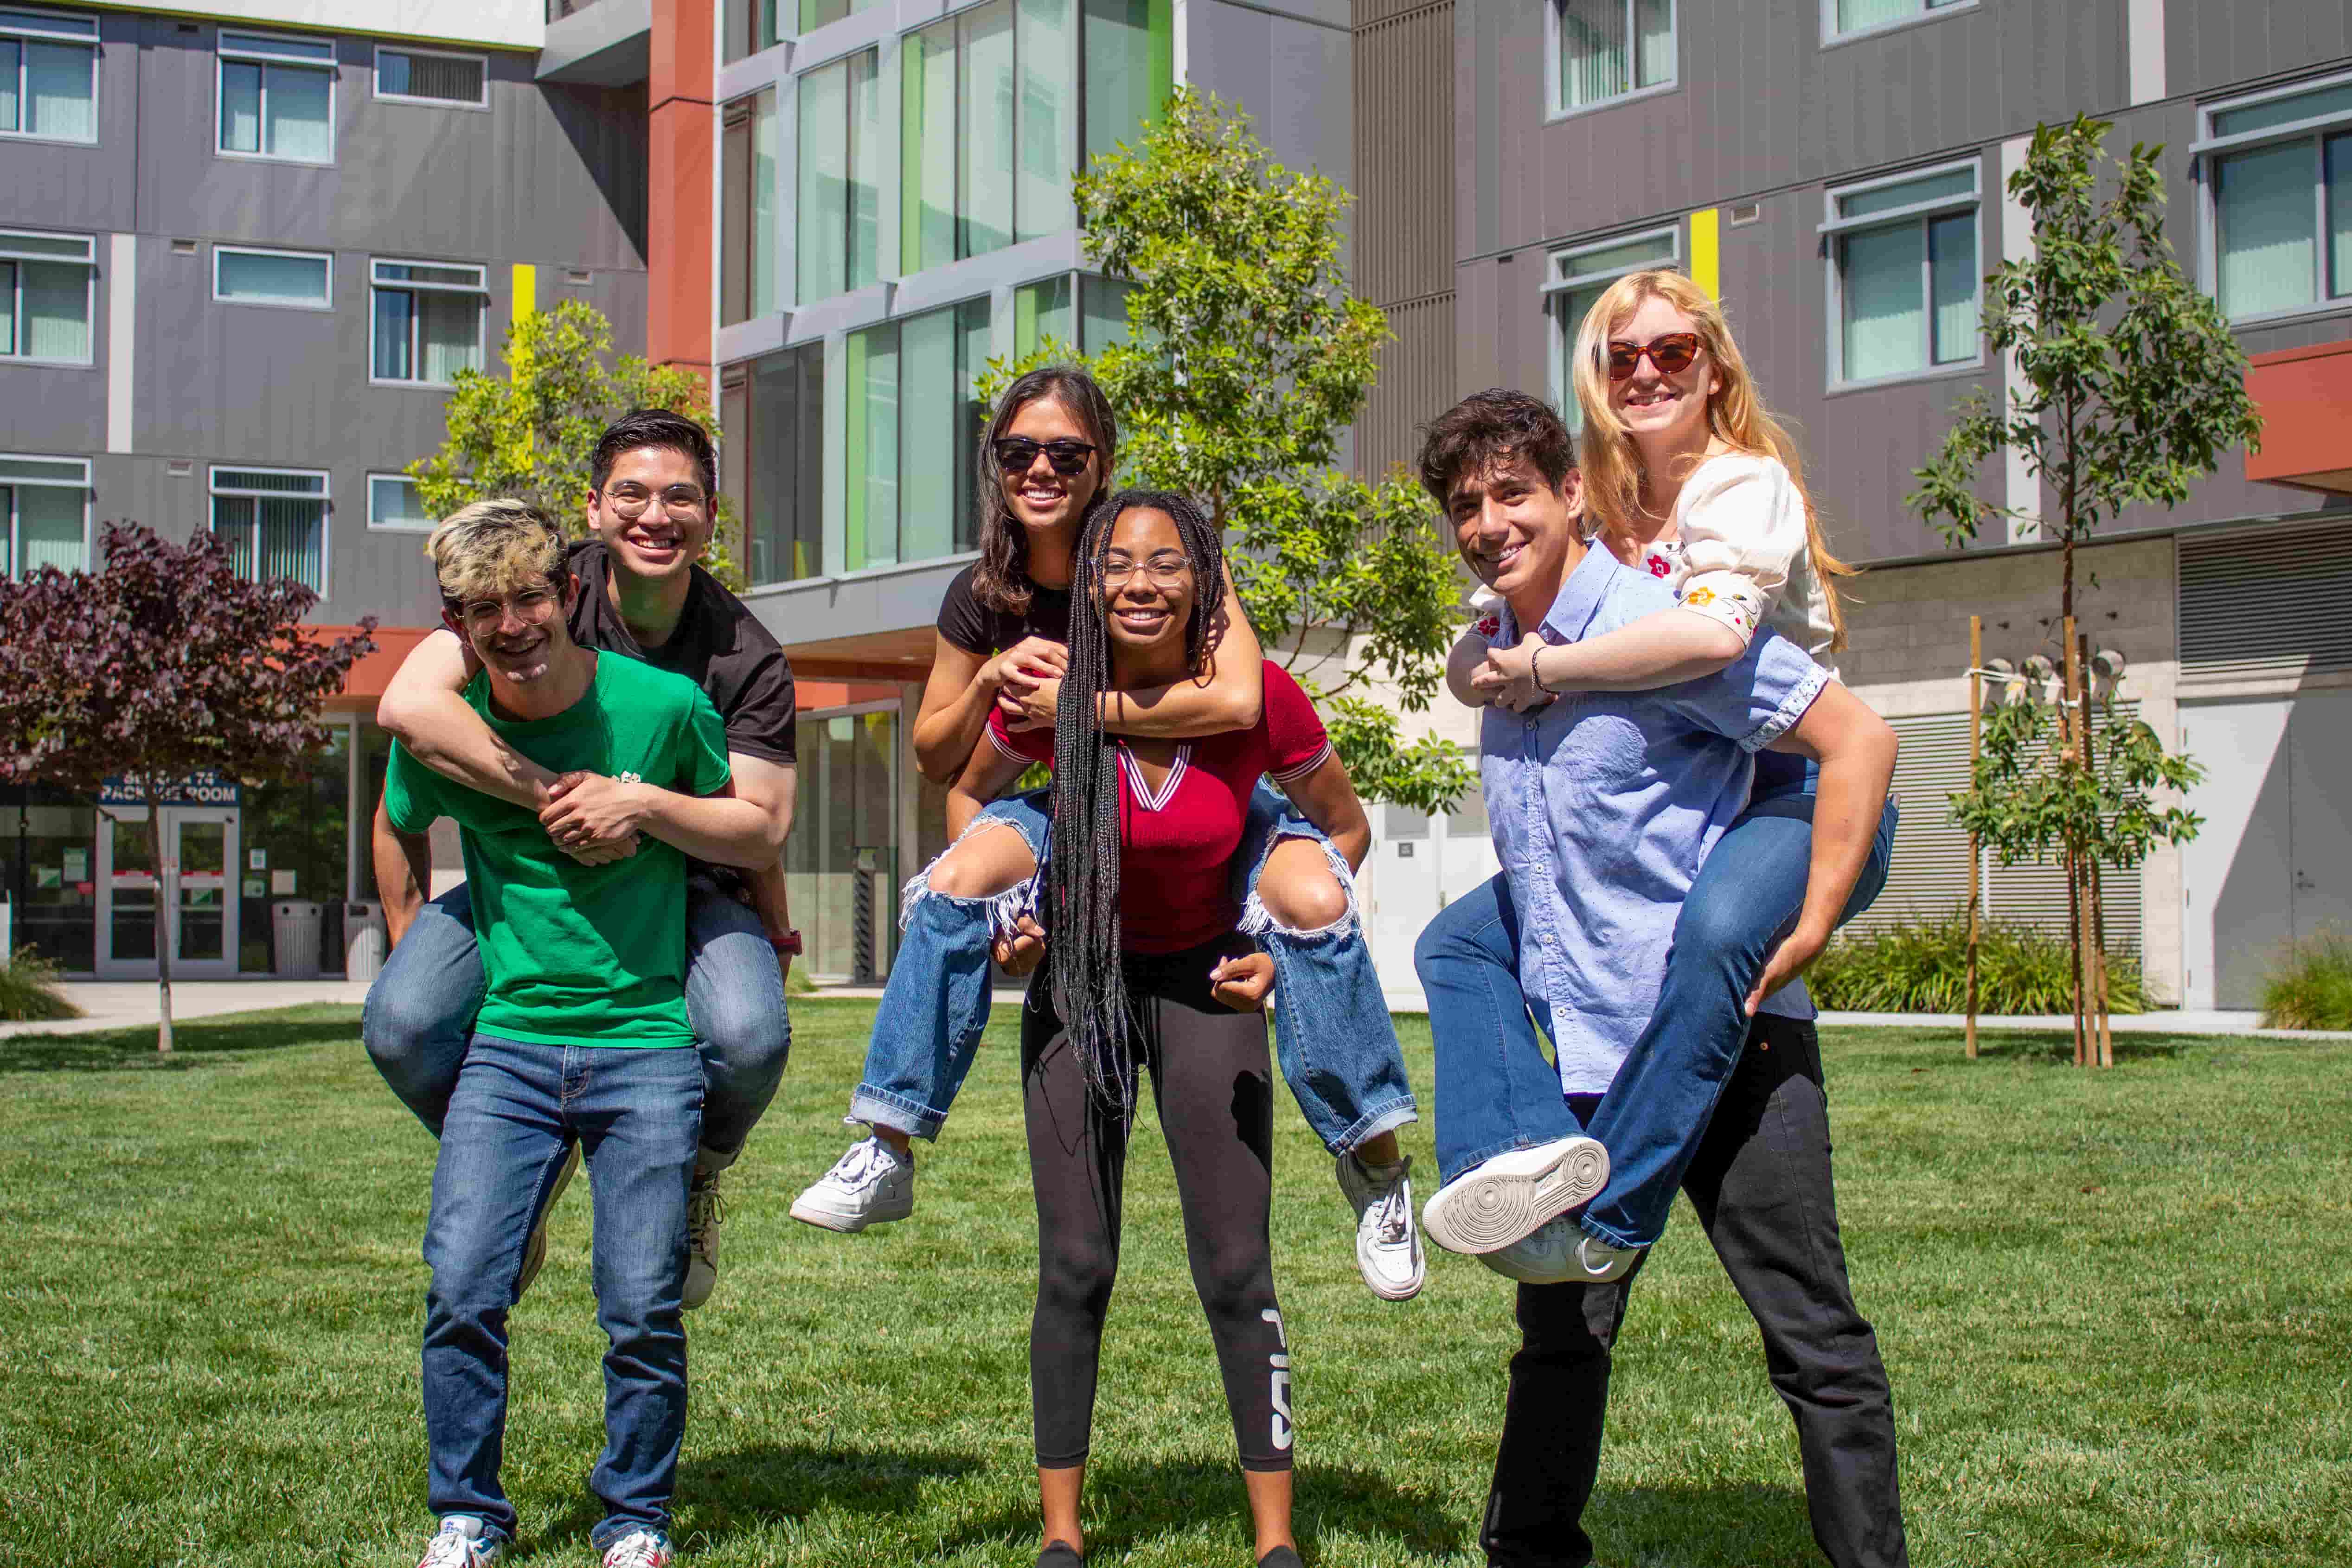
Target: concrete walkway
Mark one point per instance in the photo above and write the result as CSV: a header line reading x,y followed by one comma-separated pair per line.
x,y
132,1004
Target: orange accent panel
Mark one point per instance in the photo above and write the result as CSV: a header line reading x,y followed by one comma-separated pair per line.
x,y
677,207
809,696
2306,398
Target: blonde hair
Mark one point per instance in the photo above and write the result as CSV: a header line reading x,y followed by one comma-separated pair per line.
x,y
488,548
1613,463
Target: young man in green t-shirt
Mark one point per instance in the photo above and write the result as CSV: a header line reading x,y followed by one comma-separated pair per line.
x,y
581,1036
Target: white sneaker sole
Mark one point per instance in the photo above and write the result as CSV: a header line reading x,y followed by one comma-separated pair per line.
x,y
1513,1195
849,1221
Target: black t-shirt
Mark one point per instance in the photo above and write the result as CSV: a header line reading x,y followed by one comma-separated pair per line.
x,y
972,626
720,645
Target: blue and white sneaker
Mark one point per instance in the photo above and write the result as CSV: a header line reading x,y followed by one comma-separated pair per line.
x,y
461,1543
640,1549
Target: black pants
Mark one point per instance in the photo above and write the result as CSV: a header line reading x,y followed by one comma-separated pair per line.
x,y
1761,1183
1212,1087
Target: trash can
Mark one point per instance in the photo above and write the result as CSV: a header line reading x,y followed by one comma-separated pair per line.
x,y
294,925
365,939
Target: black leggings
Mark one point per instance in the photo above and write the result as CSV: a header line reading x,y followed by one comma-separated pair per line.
x,y
1213,1088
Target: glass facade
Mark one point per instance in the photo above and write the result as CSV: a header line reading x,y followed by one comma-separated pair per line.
x,y
837,217
747,241
841,863
772,460
913,413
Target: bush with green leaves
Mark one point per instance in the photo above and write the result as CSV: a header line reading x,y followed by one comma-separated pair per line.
x,y
2309,985
28,990
1921,965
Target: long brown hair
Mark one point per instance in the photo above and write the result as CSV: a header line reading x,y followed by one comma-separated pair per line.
x,y
1001,578
1613,463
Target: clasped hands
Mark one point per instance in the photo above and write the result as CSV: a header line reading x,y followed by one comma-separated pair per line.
x,y
1028,681
594,819
1242,983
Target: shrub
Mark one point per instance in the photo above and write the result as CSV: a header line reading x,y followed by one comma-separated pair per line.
x,y
1921,965
28,990
2309,985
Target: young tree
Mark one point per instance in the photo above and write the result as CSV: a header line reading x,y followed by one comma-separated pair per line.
x,y
1247,358
530,433
2133,390
165,661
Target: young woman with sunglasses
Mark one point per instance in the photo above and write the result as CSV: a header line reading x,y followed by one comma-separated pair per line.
x,y
1685,475
1002,649
1140,899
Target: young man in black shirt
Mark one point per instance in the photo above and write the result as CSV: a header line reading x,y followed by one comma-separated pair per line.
x,y
653,488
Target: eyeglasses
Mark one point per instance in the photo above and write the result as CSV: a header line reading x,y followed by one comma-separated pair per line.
x,y
1165,569
1672,354
1018,454
531,607
628,501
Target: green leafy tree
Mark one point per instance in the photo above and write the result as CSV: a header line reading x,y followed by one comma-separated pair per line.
x,y
1246,359
530,433
2133,390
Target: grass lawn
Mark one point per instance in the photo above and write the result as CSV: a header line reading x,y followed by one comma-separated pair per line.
x,y
2118,1308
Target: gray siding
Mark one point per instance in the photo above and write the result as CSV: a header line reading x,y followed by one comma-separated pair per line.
x,y
1284,63
551,175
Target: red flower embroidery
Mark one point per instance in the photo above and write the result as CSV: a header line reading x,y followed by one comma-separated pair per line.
x,y
1661,567
1488,626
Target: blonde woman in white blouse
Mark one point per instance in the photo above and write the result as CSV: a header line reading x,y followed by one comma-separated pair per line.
x,y
1686,476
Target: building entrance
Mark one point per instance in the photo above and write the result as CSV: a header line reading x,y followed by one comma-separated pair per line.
x,y
195,887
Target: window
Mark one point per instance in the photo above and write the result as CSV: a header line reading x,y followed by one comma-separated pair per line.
x,y
2278,175
276,98
300,278
426,321
429,76
1902,274
394,502
1042,311
49,76
1575,279
746,263
1130,68
746,27
838,238
1844,18
47,283
913,417
1611,50
44,514
274,521
989,129
772,460
816,13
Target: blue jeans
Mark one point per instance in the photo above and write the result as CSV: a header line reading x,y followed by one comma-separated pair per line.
x,y
420,1012
1341,1058
517,1107
1747,897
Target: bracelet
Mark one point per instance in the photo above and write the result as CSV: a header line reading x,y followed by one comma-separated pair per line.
x,y
1535,670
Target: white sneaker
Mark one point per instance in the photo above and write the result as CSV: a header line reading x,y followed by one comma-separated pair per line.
x,y
640,1549
702,1222
1559,1253
460,1543
1506,1198
873,1184
534,1251
1388,1249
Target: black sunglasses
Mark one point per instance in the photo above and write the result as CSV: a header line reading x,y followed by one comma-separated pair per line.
x,y
1018,454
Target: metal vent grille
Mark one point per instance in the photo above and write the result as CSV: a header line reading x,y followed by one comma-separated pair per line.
x,y
2265,604
1929,875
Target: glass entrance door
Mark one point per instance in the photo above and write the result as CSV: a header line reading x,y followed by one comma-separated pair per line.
x,y
194,885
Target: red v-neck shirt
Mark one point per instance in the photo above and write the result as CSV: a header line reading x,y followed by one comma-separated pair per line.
x,y
1177,847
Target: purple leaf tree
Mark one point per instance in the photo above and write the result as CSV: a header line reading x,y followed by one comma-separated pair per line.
x,y
167,660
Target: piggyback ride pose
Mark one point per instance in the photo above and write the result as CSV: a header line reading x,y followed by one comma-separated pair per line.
x,y
1687,478
1002,649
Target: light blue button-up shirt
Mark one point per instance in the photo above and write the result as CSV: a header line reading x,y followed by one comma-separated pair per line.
x,y
1603,805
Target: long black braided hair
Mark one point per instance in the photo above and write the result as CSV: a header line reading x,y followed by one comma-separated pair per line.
x,y
1089,988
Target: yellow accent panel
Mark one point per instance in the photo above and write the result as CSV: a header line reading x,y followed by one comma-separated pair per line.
x,y
1705,250
526,289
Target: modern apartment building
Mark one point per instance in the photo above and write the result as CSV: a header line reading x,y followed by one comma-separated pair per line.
x,y
245,246
1834,172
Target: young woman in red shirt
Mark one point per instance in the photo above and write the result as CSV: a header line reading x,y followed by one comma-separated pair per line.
x,y
1146,972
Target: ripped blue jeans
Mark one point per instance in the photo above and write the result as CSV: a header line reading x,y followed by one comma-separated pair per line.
x,y
1332,1034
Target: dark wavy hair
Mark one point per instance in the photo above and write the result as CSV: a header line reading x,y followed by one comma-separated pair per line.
x,y
657,427
1487,427
1089,986
1000,580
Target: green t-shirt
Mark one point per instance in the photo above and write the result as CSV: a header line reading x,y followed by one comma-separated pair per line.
x,y
574,954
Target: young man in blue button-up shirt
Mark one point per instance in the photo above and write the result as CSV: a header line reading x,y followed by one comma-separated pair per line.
x,y
1603,805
